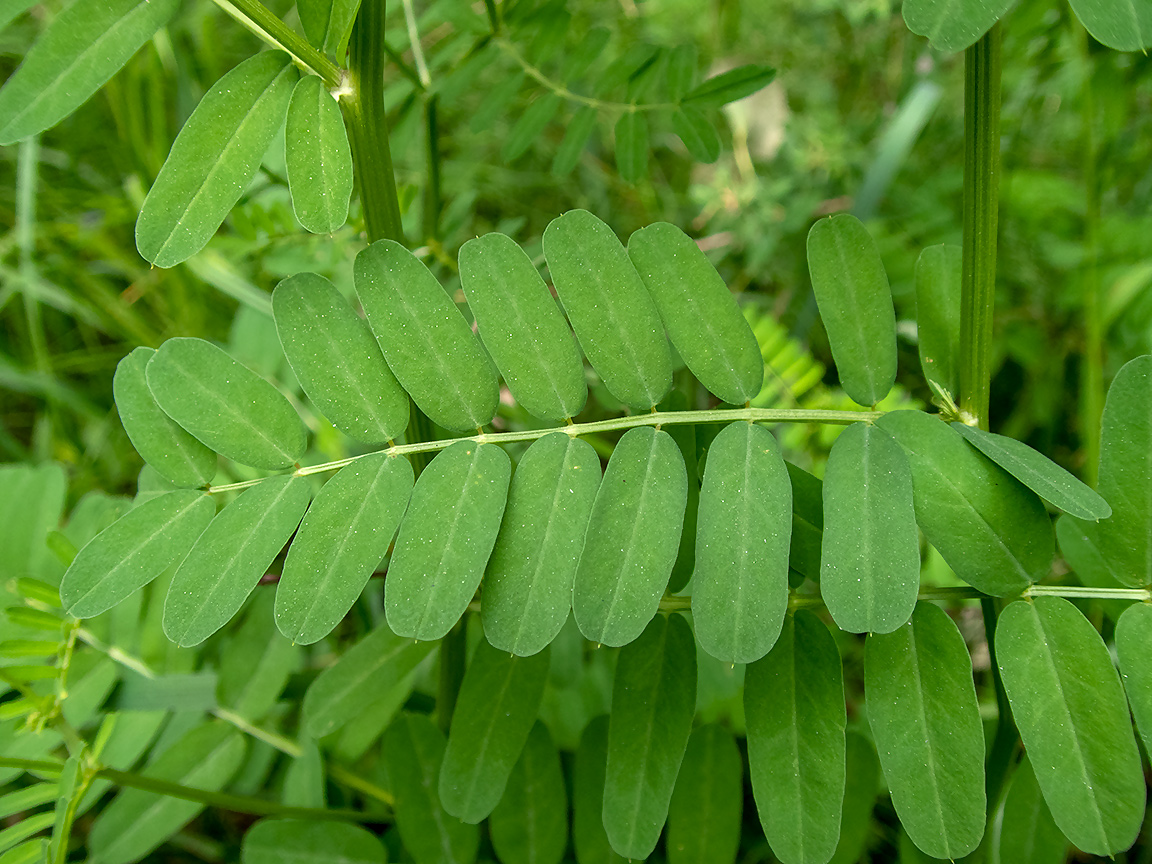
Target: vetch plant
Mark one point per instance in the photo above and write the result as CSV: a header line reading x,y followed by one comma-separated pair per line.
x,y
538,595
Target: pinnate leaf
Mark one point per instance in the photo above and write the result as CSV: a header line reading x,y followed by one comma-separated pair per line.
x,y
318,157
697,133
632,146
580,129
729,86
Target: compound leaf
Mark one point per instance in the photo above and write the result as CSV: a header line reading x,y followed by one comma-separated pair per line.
x,y
296,841
579,130
729,86
707,803
632,146
318,157
697,133
530,824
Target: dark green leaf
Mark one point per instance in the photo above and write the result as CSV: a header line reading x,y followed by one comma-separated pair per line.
x,y
328,23
528,586
590,49
681,75
257,663
342,540
953,26
921,704
495,102
225,405
938,314
633,536
1124,25
704,814
530,126
1028,835
133,551
855,303
1133,636
862,776
740,592
632,146
807,522
494,713
233,553
588,835
319,160
653,700
576,136
214,158
428,345
1069,706
729,86
530,824
697,133
794,702
294,841
684,434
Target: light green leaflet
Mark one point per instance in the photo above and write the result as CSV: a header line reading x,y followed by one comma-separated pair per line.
x,y
214,158
610,310
632,146
427,344
1125,540
955,25
862,783
1027,833
588,835
794,702
295,841
341,541
697,133
319,160
704,814
337,361
855,303
528,587
938,314
1125,25
1133,636
413,750
653,700
633,537
1038,473
698,310
1069,706
530,824
870,561
445,539
522,328
137,821
921,704
990,528
225,405
233,553
161,442
729,86
377,664
134,550
328,23
740,592
80,50
580,129
497,705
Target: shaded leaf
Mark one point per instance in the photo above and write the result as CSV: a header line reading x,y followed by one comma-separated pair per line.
x,y
681,74
318,157
328,23
632,146
530,126
1028,835
495,102
704,814
1133,636
938,314
576,136
862,784
588,835
697,133
953,26
1124,25
295,841
729,86
591,48
530,824
807,522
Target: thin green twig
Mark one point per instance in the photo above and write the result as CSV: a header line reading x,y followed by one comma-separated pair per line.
x,y
258,18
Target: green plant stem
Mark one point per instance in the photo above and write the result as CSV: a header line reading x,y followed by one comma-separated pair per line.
x,y
367,121
271,29
981,193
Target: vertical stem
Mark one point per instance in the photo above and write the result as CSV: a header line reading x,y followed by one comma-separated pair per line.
x,y
981,191
1092,366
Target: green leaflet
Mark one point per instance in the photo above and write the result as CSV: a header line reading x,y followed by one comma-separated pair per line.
x,y
1027,833
632,538
528,587
376,664
162,443
319,160
257,662
631,135
31,506
684,434
588,835
697,133
225,405
424,338
610,310
740,592
233,553
729,86
580,129
921,704
953,26
653,700
938,314
134,550
1133,636
413,751
699,312
522,328
862,783
870,561
530,125
84,46
990,528
855,303
304,781
494,713
445,539
1124,25
681,72
10,10
343,538
1069,706
1038,473
295,841
1125,540
137,821
530,824
591,48
328,23
794,702
337,361
496,101
807,522
1078,545
704,815
214,158
126,736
